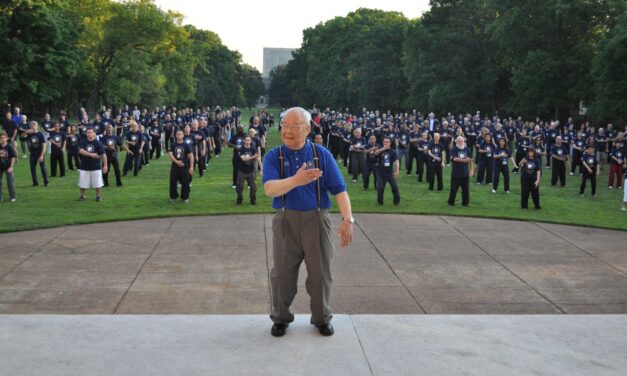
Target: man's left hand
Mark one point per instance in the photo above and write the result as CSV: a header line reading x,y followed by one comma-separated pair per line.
x,y
345,232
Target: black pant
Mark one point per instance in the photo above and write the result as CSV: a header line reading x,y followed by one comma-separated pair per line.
x,y
518,157
179,174
381,181
34,160
593,181
548,154
500,168
156,147
486,165
200,162
369,168
73,157
576,162
456,183
558,172
422,162
357,164
168,139
527,186
146,154
116,167
57,160
235,163
409,162
435,171
132,162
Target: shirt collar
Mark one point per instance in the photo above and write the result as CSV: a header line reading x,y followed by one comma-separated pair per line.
x,y
307,142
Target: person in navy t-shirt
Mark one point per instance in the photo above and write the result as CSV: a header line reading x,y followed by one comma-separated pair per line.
x,y
387,171
436,149
559,155
461,157
72,140
181,154
57,142
502,156
37,144
590,169
530,172
111,143
93,164
617,159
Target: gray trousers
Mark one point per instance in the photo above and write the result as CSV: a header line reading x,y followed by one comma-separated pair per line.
x,y
9,183
298,236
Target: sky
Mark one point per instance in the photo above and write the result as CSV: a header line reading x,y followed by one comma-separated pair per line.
x,y
249,26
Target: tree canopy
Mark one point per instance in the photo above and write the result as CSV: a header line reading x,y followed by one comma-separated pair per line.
x,y
64,53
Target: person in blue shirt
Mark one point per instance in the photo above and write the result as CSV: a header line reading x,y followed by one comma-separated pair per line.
x,y
37,145
299,176
57,142
502,156
530,172
461,157
181,154
590,169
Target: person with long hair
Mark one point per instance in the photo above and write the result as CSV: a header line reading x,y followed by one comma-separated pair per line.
x,y
530,172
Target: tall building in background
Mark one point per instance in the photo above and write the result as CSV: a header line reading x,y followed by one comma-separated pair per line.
x,y
273,57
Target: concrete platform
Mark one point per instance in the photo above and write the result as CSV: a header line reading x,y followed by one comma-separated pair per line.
x,y
397,264
363,345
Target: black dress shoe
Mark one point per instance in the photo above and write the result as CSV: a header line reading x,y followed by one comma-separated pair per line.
x,y
325,329
278,330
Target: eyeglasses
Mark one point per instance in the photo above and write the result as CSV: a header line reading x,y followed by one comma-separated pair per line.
x,y
291,127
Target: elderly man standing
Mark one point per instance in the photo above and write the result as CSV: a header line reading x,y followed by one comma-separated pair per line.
x,y
299,175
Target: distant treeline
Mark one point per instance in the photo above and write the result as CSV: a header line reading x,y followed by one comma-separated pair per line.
x,y
530,58
68,53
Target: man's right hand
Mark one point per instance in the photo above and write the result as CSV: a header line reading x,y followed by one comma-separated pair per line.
x,y
304,176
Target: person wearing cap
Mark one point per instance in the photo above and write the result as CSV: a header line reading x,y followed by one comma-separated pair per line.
x,y
590,169
299,176
559,155
461,157
236,142
530,169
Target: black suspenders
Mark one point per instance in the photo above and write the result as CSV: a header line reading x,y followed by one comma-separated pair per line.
x,y
282,173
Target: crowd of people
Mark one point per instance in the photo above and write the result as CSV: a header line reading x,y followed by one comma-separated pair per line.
x,y
488,149
91,145
367,143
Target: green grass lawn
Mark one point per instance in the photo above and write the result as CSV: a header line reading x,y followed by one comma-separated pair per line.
x,y
146,196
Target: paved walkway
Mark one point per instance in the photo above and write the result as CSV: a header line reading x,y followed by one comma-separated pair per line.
x,y
397,265
362,345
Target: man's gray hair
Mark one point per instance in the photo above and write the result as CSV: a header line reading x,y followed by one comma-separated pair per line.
x,y
304,115
33,122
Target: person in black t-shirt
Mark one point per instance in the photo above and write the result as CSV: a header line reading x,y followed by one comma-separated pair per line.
x,y
155,132
235,143
134,145
37,144
357,153
57,142
502,157
182,156
8,156
436,149
247,155
461,157
530,169
111,144
371,161
93,164
387,171
590,170
559,156
71,143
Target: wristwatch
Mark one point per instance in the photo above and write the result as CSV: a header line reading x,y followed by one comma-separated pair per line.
x,y
350,219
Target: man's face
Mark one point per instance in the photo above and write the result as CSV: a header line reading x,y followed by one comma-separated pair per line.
x,y
179,136
293,132
90,134
386,142
109,130
8,116
247,142
3,139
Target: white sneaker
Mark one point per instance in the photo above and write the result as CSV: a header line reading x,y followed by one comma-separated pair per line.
x,y
13,200
572,173
233,187
610,187
508,192
623,208
493,191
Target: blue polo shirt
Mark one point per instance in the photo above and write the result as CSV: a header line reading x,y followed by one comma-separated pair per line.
x,y
304,198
